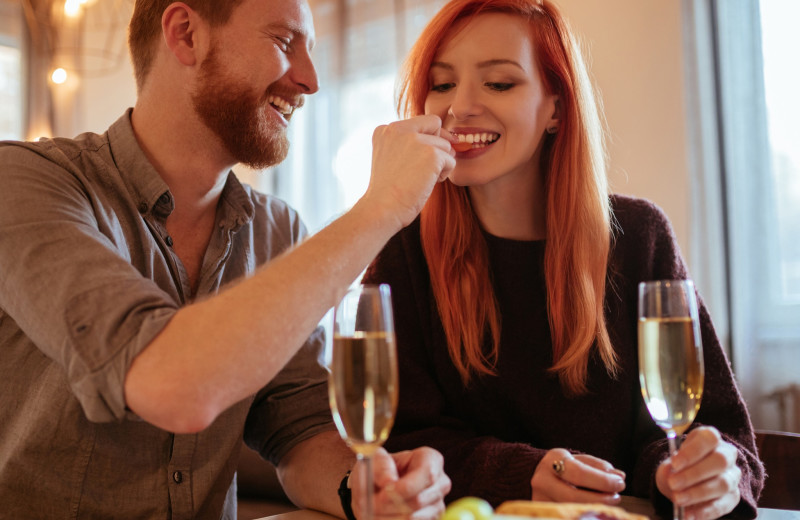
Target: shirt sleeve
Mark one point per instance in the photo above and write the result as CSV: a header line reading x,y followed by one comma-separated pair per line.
x,y
294,406
68,285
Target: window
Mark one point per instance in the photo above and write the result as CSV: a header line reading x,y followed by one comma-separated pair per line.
x,y
757,114
11,75
780,40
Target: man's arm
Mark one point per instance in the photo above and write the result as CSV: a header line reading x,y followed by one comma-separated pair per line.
x,y
218,351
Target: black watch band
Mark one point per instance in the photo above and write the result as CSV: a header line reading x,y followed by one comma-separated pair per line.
x,y
346,497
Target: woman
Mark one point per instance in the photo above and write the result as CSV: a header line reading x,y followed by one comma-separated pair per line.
x,y
515,291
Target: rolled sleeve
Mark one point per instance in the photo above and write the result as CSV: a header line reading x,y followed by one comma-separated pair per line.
x,y
293,407
106,342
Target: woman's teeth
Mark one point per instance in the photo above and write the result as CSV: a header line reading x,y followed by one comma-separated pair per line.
x,y
476,140
281,104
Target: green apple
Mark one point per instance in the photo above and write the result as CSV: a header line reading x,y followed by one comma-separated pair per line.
x,y
469,508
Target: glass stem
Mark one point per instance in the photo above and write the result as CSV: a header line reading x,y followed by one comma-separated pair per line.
x,y
369,487
674,444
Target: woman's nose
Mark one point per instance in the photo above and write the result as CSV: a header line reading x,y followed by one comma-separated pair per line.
x,y
465,103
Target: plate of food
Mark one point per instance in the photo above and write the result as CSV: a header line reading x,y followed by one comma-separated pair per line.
x,y
563,511
473,508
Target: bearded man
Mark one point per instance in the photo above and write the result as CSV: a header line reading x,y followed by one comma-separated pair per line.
x,y
153,310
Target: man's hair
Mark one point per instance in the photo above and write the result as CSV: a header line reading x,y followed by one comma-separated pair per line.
x,y
144,29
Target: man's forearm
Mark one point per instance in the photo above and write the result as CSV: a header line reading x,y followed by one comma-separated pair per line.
x,y
214,353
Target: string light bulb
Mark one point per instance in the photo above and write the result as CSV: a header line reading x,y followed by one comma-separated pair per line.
x,y
59,76
72,7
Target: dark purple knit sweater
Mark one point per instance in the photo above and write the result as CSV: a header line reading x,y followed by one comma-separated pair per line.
x,y
494,432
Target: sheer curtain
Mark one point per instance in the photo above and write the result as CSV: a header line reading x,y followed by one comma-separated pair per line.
x,y
747,189
360,46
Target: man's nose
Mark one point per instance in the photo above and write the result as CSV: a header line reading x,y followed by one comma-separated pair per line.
x,y
304,74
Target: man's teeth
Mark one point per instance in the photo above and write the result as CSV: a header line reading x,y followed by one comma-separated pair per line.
x,y
281,104
478,139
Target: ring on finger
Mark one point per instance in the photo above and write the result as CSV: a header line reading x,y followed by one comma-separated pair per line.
x,y
559,466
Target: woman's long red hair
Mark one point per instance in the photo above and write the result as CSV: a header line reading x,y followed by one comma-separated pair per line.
x,y
578,214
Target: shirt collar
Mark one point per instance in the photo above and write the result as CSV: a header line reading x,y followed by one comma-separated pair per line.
x,y
142,180
151,193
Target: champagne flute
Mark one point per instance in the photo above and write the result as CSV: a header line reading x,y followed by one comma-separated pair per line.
x,y
363,381
670,357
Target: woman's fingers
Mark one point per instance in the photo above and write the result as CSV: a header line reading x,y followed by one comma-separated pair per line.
x,y
725,483
601,465
702,476
563,477
698,445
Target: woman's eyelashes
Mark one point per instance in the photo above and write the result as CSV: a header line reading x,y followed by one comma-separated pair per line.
x,y
442,87
492,85
500,86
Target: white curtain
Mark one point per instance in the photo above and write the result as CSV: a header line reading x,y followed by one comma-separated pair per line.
x,y
747,191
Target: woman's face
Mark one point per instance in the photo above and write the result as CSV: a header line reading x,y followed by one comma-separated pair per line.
x,y
485,85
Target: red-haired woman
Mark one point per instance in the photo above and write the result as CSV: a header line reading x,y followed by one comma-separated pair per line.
x,y
515,291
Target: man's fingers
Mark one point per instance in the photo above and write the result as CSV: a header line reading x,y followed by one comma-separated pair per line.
x,y
383,469
425,124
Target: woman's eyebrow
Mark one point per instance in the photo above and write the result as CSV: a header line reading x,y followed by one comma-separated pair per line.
x,y
481,65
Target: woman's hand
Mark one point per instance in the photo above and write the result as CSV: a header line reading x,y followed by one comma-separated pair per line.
x,y
702,476
563,477
408,484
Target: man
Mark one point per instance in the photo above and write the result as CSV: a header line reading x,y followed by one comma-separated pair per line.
x,y
131,362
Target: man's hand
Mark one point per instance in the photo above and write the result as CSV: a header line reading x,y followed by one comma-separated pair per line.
x,y
408,484
703,476
408,158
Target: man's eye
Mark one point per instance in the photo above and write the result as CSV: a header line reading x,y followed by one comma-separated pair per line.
x,y
442,87
283,43
500,86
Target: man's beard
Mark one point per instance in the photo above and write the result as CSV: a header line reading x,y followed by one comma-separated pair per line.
x,y
237,116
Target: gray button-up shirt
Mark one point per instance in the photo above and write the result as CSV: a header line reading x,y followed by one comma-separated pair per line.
x,y
87,280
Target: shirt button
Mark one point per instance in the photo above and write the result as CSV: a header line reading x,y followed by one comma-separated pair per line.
x,y
164,199
168,240
142,207
177,477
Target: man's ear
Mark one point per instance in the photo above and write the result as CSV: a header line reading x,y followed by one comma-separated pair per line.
x,y
183,32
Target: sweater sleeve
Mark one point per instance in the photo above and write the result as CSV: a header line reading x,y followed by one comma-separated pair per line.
x,y
478,465
722,405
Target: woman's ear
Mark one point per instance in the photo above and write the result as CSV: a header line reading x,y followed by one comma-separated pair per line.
x,y
182,28
555,119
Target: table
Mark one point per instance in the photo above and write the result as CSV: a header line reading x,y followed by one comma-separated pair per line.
x,y
632,504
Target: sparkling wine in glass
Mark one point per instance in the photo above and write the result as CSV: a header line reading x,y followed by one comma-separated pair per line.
x,y
670,357
363,382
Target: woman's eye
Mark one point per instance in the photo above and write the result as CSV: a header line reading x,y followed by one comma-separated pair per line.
x,y
442,87
500,86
